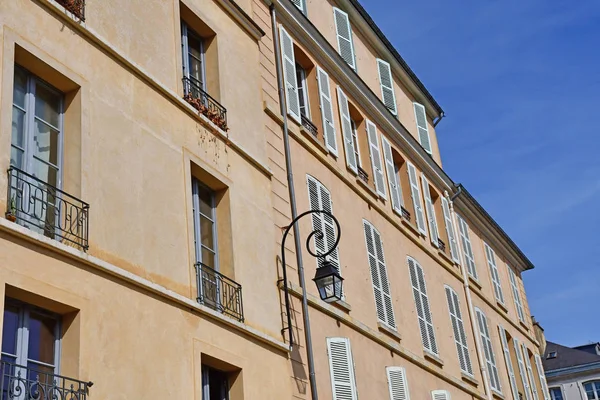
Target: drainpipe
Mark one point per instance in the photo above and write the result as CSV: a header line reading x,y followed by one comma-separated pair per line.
x,y
292,194
472,318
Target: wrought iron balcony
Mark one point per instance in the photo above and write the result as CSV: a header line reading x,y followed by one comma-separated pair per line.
x,y
362,174
218,292
77,7
441,245
204,103
405,213
310,127
26,383
46,209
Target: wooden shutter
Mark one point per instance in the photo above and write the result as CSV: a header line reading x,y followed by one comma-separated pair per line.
x,y
509,367
515,290
415,193
320,199
397,383
521,365
387,86
491,260
433,228
450,229
532,385
488,351
326,110
440,395
466,246
347,130
542,376
289,73
379,276
421,118
417,279
376,159
392,175
460,338
301,4
343,384
344,37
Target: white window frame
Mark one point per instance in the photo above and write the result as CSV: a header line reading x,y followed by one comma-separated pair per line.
x,y
420,106
197,185
356,142
303,91
393,177
376,160
434,232
326,99
530,375
206,384
385,65
508,361
551,392
339,37
415,191
542,376
186,32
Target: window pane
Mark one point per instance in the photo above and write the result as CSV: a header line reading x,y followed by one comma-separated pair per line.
x,y
45,172
19,88
16,157
9,330
46,143
208,258
206,232
43,373
47,105
206,199
41,338
18,127
195,58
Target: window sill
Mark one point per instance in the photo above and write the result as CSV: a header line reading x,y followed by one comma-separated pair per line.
x,y
312,138
475,282
524,325
410,226
502,306
388,331
367,187
469,379
342,305
433,358
446,256
497,394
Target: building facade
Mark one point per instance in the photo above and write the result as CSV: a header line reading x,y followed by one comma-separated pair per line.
x,y
573,373
154,153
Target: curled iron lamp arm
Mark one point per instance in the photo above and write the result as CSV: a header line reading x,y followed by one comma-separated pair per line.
x,y
319,234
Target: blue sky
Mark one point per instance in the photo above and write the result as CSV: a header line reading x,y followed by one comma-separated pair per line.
x,y
519,82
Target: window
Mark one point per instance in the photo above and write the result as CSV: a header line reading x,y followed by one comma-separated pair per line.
x,y
215,384
376,163
302,91
397,383
193,61
301,4
379,276
488,350
450,229
344,37
341,367
460,337
532,384
392,175
350,143
415,193
205,233
541,376
417,279
355,142
431,218
387,86
522,371
556,394
515,291
466,246
592,389
491,260
422,128
507,359
440,395
551,355
327,111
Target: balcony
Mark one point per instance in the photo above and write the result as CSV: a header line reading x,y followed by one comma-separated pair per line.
x,y
310,127
362,174
405,213
46,209
76,7
25,383
218,292
204,103
441,245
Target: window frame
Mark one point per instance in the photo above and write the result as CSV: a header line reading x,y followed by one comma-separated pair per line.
x,y
302,91
197,185
559,388
486,343
186,32
355,142
206,382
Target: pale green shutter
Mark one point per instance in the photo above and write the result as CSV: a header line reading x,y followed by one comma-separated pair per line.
x,y
397,383
466,246
516,297
341,368
491,260
417,279
433,228
488,351
415,193
440,395
542,376
509,366
460,338
450,230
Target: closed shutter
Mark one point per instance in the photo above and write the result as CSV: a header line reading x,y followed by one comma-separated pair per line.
x,y
326,110
379,276
466,246
433,228
320,199
460,338
488,351
347,130
450,229
417,279
415,193
515,290
397,383
392,175
344,37
289,72
387,86
301,4
509,366
343,384
440,395
532,384
522,372
491,260
376,158
542,376
421,118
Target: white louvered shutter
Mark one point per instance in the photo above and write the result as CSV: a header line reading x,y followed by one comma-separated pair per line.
x,y
387,86
415,193
347,130
417,279
421,118
343,384
326,110
522,371
460,338
542,376
433,227
320,199
515,290
509,367
488,351
397,383
289,72
344,37
466,246
301,5
392,175
532,385
440,395
491,260
450,230
379,276
376,159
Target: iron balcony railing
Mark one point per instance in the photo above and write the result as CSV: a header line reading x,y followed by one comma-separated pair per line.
x,y
77,7
310,127
26,383
362,174
441,245
204,103
218,292
405,213
46,209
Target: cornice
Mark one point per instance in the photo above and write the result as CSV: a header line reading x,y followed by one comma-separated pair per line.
x,y
242,18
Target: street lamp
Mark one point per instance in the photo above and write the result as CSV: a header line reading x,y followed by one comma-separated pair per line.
x,y
329,282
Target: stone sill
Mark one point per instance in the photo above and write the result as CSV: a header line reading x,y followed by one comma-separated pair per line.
x,y
474,281
410,226
433,358
502,306
497,394
388,331
469,379
313,139
524,325
367,187
341,304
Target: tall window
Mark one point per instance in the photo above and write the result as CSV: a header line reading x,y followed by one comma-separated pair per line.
x,y
460,337
417,279
193,61
556,394
302,91
355,142
205,232
215,384
490,358
592,389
